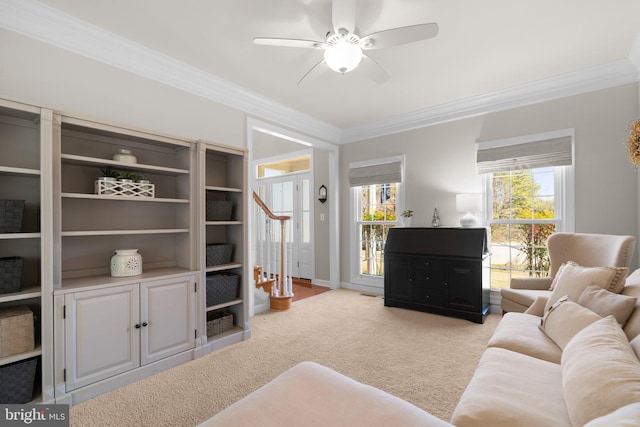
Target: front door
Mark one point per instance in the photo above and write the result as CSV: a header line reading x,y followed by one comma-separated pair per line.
x,y
290,196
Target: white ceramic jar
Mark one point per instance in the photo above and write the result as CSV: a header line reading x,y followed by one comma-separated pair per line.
x,y
126,262
124,155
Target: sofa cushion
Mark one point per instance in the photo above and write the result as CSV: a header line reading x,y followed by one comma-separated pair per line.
x,y
572,279
632,288
565,319
309,394
600,372
520,332
511,389
607,303
627,416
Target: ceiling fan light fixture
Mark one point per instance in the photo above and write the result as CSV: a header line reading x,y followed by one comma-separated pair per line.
x,y
343,56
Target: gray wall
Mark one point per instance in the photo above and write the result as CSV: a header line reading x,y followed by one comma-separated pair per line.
x,y
440,160
47,76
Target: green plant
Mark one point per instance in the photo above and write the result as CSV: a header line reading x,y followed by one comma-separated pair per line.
x,y
407,213
126,175
109,172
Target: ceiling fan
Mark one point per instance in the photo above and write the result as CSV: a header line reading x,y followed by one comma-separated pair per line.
x,y
343,48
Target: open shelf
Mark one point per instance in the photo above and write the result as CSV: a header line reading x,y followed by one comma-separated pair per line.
x,y
94,161
8,170
235,330
26,293
21,356
223,222
225,305
227,189
10,236
123,232
223,267
126,198
105,280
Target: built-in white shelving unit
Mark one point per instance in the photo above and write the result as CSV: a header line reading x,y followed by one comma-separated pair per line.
x,y
95,332
25,174
223,172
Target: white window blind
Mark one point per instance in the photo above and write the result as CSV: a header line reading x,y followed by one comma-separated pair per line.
x,y
382,173
528,155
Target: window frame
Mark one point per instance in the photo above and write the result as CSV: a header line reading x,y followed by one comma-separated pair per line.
x,y
564,188
366,281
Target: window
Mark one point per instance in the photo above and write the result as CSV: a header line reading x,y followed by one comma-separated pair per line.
x,y
377,199
378,213
529,197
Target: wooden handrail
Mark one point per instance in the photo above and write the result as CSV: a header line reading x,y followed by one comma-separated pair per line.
x,y
280,298
267,210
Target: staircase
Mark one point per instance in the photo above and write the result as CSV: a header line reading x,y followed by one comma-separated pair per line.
x,y
273,274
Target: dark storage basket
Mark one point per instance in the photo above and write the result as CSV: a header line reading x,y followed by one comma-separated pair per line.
x,y
11,212
219,253
10,274
220,322
222,288
219,210
17,380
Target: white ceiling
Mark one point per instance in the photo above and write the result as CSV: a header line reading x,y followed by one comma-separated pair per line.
x,y
484,48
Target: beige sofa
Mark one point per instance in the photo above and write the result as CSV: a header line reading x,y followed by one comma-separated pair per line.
x,y
582,369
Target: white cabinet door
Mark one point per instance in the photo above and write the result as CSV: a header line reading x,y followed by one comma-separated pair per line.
x,y
167,317
101,338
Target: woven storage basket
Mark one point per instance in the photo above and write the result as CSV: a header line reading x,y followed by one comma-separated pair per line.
x,y
11,212
17,380
16,330
10,274
219,253
221,323
222,288
219,210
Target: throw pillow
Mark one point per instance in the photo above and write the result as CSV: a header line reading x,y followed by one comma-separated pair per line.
x,y
627,416
605,303
565,319
600,372
573,279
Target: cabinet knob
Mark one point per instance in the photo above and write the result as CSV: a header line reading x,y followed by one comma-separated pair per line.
x,y
427,277
427,264
446,284
137,326
145,324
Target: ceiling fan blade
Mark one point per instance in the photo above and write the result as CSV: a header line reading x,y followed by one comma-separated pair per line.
x,y
398,36
315,71
373,70
343,15
288,42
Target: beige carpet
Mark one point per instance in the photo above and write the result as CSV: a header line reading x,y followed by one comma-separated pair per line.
x,y
423,358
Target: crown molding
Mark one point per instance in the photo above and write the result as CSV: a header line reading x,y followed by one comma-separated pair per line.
x,y
601,77
39,21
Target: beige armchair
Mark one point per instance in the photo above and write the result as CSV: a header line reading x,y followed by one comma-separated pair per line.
x,y
589,250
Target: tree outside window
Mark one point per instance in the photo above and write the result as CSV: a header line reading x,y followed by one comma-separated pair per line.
x,y
523,216
377,214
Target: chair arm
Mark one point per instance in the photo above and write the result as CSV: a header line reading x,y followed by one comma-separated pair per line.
x,y
537,283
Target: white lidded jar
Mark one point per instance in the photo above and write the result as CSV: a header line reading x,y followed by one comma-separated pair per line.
x,y
124,155
126,262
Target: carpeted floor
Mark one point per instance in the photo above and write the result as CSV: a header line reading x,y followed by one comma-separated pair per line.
x,y
423,358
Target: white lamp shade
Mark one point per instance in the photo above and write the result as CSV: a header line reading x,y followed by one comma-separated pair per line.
x,y
468,202
343,56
